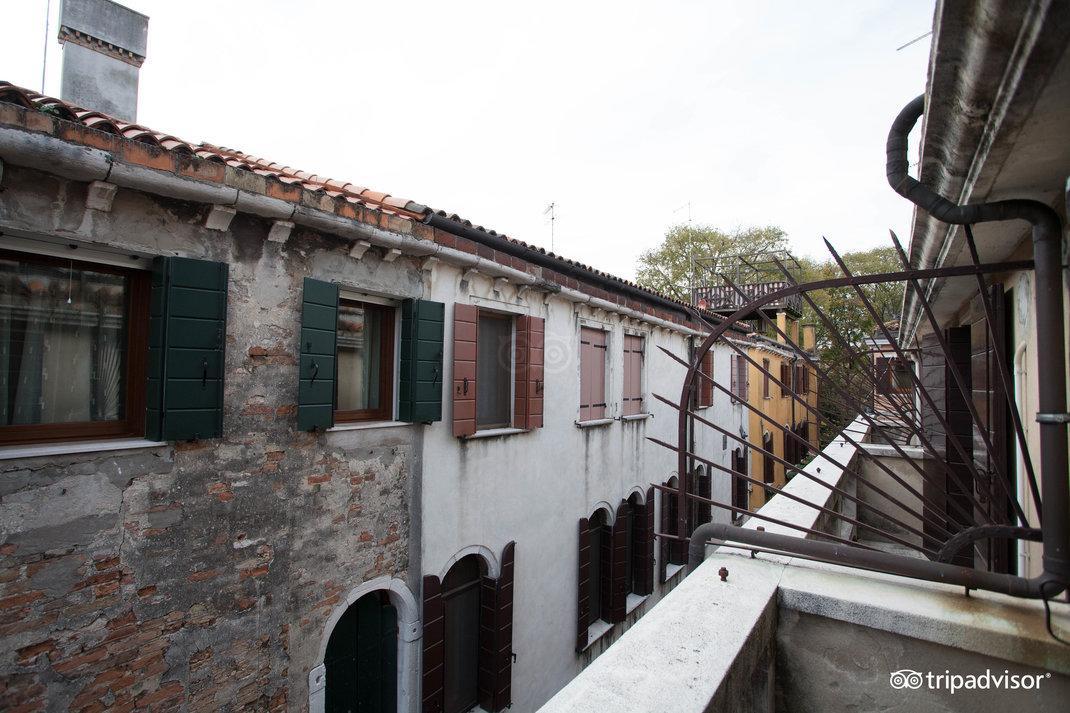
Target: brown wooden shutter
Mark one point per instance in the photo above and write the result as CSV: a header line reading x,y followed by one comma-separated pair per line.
x,y
767,460
583,605
465,340
528,377
646,546
806,379
640,540
678,548
496,636
785,378
592,374
744,379
633,375
618,604
734,386
705,388
665,524
704,489
434,650
603,537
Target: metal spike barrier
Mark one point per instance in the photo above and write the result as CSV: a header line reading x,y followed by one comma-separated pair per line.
x,y
959,509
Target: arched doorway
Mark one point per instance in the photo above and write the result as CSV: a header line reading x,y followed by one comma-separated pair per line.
x,y
361,658
461,601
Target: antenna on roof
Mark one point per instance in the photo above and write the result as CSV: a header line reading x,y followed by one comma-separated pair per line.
x,y
919,37
44,55
690,250
550,210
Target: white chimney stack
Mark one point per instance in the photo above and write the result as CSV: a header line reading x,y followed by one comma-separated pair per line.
x,y
103,49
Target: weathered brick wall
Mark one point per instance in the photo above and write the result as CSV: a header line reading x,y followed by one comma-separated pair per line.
x,y
198,576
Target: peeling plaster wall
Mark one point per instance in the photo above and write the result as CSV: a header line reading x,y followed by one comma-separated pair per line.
x,y
199,575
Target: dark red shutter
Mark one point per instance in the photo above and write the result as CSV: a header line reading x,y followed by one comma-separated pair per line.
x,y
618,604
503,692
583,606
665,528
744,379
488,606
520,374
640,538
705,389
646,546
603,537
433,646
704,489
465,338
528,377
496,636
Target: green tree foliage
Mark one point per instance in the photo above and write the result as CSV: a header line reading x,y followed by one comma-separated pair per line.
x,y
842,341
668,267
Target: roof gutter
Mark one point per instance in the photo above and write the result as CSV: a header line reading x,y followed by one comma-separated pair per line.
x,y
541,259
1048,300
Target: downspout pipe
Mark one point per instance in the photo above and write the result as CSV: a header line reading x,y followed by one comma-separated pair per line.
x,y
1051,357
541,259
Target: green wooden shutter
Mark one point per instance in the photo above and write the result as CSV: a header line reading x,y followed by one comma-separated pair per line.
x,y
187,332
319,329
420,382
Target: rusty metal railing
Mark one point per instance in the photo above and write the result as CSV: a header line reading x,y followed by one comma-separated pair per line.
x,y
968,501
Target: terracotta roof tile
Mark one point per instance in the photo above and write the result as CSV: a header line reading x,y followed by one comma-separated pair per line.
x,y
352,193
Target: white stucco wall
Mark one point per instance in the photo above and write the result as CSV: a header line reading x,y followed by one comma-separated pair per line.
x,y
533,487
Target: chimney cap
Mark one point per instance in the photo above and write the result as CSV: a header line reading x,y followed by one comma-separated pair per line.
x,y
108,21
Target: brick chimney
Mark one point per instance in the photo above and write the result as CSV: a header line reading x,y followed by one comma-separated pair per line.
x,y
103,50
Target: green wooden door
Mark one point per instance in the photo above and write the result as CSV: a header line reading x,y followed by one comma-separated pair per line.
x,y
361,658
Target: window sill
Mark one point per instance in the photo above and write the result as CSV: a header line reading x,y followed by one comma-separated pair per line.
x,y
634,601
494,433
596,631
595,423
672,570
37,450
367,425
637,417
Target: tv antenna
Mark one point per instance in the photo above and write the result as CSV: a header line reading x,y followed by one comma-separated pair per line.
x,y
550,211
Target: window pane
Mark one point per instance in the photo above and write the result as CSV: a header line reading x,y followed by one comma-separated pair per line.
x,y
62,344
360,334
494,371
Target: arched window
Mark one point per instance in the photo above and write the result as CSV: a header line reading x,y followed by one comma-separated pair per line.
x,y
460,601
595,576
361,657
598,569
468,635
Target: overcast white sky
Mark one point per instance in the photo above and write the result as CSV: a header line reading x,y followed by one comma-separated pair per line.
x,y
621,113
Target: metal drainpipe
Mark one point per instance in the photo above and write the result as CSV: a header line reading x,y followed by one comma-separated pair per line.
x,y
1051,411
1048,297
